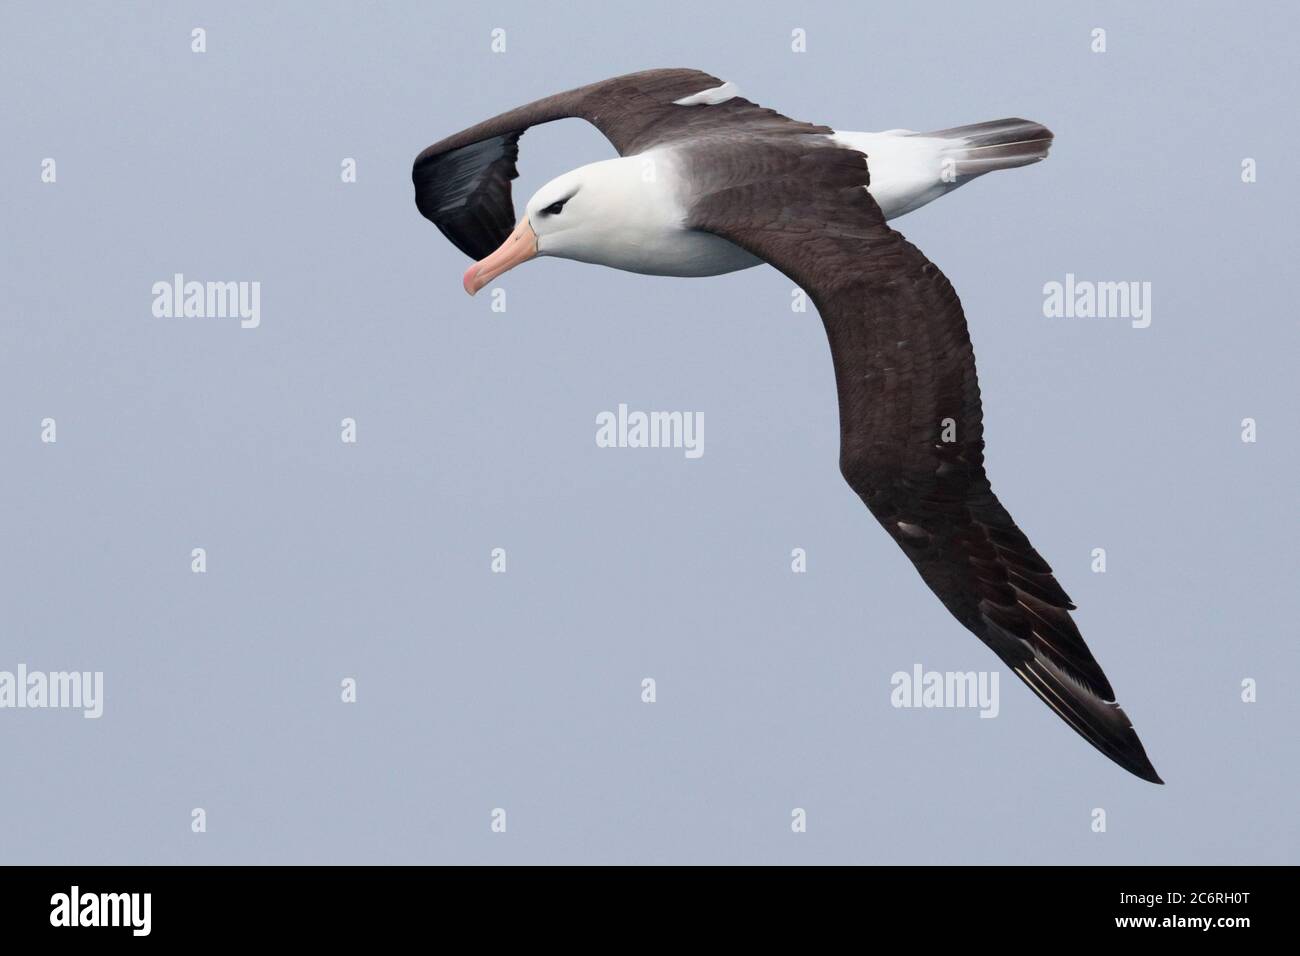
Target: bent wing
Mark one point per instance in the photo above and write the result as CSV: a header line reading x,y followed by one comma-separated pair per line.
x,y
462,183
911,433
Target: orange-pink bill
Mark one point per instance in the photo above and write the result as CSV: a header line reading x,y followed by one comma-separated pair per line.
x,y
520,246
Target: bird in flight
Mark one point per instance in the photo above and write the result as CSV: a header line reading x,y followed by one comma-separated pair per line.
x,y
707,182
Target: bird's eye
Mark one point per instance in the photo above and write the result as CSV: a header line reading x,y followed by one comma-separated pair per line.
x,y
555,208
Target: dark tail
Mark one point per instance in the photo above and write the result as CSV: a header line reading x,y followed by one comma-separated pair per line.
x,y
998,144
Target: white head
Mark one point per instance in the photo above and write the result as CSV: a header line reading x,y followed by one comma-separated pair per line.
x,y
606,213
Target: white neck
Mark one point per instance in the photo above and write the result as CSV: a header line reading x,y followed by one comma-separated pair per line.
x,y
631,217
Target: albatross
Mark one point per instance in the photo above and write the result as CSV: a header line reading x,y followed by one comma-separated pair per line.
x,y
707,182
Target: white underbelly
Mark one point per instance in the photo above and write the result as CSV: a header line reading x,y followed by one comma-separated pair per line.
x,y
693,253
673,252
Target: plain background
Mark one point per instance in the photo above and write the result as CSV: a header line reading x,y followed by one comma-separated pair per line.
x,y
476,431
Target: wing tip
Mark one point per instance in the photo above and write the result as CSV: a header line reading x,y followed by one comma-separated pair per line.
x,y
1152,777
1102,723
1139,764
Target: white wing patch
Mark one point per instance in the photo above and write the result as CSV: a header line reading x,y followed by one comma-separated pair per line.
x,y
712,97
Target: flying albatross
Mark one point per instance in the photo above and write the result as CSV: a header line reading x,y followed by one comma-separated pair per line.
x,y
706,183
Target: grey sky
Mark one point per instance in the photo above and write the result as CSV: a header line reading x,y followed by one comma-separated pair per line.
x,y
476,431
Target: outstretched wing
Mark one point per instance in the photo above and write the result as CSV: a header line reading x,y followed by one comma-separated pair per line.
x,y
911,429
462,184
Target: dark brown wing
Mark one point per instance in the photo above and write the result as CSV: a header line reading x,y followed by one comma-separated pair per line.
x,y
462,184
911,428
